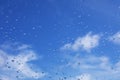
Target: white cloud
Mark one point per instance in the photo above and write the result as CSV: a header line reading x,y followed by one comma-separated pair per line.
x,y
2,58
18,64
87,43
115,38
82,77
23,46
4,77
97,67
89,62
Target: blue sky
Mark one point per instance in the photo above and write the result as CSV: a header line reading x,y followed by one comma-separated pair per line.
x,y
59,39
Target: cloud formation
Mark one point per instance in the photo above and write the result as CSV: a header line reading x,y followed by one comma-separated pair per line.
x,y
96,67
81,77
90,66
115,38
86,42
18,64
